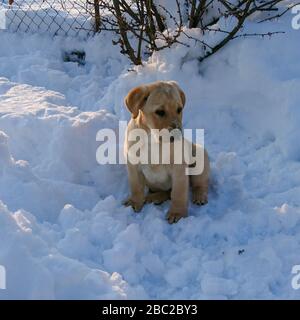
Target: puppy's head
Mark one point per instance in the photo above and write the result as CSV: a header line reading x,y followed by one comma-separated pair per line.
x,y
157,105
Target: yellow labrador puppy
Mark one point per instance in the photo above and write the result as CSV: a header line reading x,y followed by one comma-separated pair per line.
x,y
159,106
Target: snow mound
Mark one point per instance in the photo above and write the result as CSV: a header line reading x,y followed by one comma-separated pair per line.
x,y
36,270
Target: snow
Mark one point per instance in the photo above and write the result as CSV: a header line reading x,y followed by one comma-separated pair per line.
x,y
47,17
63,231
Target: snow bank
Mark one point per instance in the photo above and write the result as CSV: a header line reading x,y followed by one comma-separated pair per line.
x,y
37,270
63,230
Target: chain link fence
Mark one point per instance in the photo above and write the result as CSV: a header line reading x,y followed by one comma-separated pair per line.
x,y
55,17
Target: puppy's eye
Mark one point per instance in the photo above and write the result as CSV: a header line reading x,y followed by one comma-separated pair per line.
x,y
160,113
179,110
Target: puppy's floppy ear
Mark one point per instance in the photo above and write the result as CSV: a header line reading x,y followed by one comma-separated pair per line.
x,y
136,99
181,93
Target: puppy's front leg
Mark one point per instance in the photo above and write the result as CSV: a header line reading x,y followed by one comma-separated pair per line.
x,y
137,187
179,194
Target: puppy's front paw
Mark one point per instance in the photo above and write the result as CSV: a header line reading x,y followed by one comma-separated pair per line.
x,y
199,196
174,216
136,204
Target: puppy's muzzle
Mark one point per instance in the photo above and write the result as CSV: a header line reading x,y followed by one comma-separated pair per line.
x,y
176,131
